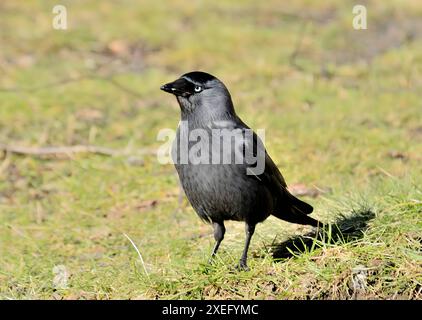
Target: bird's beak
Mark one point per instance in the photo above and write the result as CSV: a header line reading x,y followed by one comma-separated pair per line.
x,y
167,87
180,87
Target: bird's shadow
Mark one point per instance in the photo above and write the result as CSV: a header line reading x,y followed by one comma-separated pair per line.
x,y
345,229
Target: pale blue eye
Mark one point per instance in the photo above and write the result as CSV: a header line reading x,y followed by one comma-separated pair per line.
x,y
198,88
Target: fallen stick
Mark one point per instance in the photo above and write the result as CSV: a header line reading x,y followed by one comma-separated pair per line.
x,y
45,151
66,150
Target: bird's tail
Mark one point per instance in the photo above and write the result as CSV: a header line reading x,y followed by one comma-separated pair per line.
x,y
293,210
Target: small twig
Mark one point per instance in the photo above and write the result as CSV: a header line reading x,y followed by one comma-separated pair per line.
x,y
139,254
66,150
69,150
388,174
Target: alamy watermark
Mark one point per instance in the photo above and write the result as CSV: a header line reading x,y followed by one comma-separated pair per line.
x,y
59,21
213,146
61,277
60,17
359,20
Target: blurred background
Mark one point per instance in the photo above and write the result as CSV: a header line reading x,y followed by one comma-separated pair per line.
x,y
342,111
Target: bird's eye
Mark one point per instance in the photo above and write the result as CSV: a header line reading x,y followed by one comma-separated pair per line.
x,y
198,88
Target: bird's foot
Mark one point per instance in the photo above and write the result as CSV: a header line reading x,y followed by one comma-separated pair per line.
x,y
211,260
242,266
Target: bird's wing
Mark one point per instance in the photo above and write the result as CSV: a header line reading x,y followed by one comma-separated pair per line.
x,y
288,207
272,171
269,174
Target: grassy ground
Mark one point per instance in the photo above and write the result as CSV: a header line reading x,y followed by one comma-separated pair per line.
x,y
342,111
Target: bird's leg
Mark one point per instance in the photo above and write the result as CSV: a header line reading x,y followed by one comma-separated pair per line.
x,y
219,231
249,229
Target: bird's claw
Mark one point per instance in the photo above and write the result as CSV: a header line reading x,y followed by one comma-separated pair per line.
x,y
242,266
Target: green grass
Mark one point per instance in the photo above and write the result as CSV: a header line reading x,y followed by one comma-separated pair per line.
x,y
345,117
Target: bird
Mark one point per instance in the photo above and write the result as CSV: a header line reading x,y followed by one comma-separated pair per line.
x,y
226,190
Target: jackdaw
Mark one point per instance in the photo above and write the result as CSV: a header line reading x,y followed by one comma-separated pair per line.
x,y
218,189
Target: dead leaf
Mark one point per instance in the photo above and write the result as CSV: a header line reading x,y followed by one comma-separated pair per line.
x,y
119,211
118,47
300,189
394,154
57,296
146,205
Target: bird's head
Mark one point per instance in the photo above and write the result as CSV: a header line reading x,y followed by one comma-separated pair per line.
x,y
200,92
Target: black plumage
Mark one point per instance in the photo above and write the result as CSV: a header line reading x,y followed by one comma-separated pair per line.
x,y
224,191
